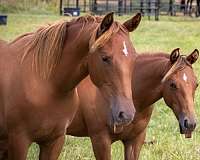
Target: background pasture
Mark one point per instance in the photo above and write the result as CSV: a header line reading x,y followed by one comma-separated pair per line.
x,y
164,35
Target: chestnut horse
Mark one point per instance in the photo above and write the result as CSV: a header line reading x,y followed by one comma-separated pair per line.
x,y
155,76
39,72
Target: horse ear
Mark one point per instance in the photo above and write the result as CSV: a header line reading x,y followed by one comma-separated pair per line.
x,y
132,23
105,24
174,55
192,58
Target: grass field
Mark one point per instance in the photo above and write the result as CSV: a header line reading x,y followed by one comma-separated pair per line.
x,y
164,35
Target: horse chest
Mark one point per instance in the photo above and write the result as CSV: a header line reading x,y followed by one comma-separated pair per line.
x,y
41,114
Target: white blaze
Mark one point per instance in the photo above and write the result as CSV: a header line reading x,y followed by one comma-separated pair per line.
x,y
125,49
184,77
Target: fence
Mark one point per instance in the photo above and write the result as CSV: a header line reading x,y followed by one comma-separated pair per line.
x,y
146,7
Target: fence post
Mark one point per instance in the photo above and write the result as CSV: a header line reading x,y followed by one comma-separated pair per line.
x,y
120,4
60,7
124,6
149,9
95,5
106,5
131,6
84,6
77,3
141,7
170,7
198,8
157,7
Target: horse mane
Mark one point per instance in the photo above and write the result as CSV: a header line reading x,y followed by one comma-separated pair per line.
x,y
47,43
180,64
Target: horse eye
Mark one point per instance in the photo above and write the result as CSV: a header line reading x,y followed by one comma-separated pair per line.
x,y
106,59
197,85
173,85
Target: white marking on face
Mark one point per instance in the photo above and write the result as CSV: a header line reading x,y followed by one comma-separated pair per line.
x,y
184,77
125,49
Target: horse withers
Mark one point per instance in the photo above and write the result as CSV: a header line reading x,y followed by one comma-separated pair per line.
x,y
155,76
39,72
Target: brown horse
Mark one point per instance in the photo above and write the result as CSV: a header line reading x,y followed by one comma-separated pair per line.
x,y
155,76
39,72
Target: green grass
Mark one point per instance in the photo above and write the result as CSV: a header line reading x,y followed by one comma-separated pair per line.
x,y
164,35
33,6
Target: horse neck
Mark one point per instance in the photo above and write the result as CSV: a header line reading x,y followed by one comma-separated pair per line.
x,y
73,66
149,71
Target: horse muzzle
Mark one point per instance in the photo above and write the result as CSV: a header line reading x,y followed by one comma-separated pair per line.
x,y
122,115
122,120
187,126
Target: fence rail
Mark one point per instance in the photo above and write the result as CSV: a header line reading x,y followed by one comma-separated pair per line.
x,y
146,7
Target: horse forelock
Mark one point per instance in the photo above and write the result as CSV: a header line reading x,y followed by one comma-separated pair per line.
x,y
105,37
180,64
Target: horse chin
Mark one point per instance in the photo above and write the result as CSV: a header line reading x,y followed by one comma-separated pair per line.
x,y
187,133
117,129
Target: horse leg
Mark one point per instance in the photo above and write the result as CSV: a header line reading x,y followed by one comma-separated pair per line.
x,y
190,10
133,147
4,149
198,8
51,150
3,155
187,6
18,145
101,144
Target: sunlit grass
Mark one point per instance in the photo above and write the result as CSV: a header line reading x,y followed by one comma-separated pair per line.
x,y
164,35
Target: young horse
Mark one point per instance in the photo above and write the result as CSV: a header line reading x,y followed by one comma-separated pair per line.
x,y
155,76
38,95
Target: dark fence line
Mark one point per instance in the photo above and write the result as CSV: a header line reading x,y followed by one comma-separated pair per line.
x,y
150,8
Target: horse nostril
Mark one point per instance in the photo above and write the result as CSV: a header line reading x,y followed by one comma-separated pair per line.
x,y
121,115
189,125
186,123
